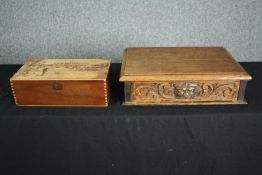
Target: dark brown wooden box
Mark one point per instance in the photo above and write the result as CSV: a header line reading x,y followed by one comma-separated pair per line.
x,y
62,82
182,76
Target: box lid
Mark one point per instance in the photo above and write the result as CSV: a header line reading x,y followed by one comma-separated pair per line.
x,y
180,63
64,69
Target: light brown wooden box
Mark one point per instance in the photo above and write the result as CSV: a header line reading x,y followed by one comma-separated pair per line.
x,y
62,82
182,76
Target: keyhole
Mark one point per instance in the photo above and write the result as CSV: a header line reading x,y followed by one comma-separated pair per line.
x,y
57,86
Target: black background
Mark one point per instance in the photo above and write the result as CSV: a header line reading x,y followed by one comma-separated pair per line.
x,y
131,140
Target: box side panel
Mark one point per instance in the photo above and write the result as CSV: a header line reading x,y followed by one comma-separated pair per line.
x,y
127,92
242,90
59,93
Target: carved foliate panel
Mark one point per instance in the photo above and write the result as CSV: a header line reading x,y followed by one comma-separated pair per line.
x,y
184,91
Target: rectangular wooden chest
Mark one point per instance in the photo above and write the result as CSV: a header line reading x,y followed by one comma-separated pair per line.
x,y
62,82
182,76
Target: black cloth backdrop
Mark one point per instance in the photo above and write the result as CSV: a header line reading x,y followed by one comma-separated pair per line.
x,y
120,140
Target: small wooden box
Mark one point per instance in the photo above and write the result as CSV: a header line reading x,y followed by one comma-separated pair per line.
x,y
62,82
182,76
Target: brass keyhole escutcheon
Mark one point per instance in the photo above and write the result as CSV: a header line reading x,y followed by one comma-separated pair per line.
x,y
57,86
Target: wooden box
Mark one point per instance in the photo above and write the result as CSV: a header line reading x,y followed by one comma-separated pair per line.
x,y
62,82
182,76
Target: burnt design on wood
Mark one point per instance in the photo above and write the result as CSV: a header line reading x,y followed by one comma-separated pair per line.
x,y
185,90
78,67
35,67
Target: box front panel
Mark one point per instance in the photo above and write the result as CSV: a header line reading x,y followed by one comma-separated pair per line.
x,y
184,92
60,93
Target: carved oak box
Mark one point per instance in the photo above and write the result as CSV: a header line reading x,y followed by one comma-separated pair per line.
x,y
62,82
182,76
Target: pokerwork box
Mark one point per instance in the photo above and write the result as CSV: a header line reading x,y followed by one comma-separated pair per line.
x,y
182,76
62,82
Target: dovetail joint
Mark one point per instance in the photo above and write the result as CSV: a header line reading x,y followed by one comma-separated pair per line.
x,y
105,90
13,91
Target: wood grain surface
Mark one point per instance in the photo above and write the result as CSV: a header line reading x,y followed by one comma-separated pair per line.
x,y
60,93
180,63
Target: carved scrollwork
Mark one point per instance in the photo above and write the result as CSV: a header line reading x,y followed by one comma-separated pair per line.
x,y
166,90
147,91
185,90
219,90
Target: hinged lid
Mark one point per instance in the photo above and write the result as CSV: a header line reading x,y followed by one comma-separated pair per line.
x,y
180,63
64,69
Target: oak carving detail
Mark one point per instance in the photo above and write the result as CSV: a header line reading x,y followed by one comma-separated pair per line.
x,y
184,90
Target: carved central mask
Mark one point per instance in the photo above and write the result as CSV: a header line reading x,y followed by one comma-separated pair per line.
x,y
188,90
